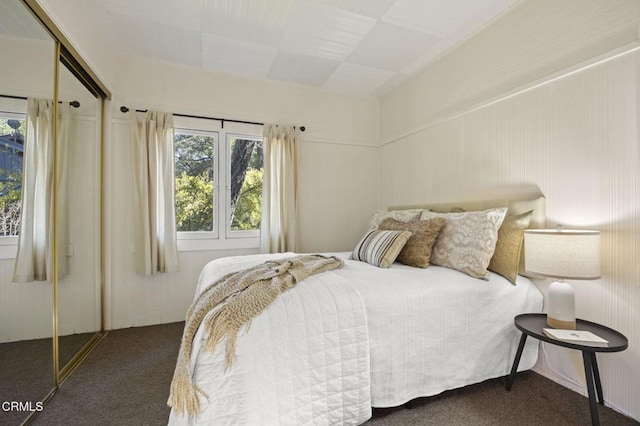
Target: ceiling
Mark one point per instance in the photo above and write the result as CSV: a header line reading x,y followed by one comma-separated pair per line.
x,y
363,47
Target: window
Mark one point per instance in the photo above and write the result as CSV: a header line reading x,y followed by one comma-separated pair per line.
x,y
11,157
195,179
207,161
246,160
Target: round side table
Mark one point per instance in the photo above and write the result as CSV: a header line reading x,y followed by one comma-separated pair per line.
x,y
532,325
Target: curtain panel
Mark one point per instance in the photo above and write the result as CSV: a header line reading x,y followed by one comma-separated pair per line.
x,y
34,260
154,197
280,189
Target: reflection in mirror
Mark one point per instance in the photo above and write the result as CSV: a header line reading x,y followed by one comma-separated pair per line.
x,y
78,209
26,308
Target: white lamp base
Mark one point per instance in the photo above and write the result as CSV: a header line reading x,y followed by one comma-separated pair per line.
x,y
561,310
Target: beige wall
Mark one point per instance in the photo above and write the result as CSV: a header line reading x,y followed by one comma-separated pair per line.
x,y
534,40
338,176
27,67
574,139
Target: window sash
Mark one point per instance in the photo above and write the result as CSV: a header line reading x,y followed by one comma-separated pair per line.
x,y
213,234
231,233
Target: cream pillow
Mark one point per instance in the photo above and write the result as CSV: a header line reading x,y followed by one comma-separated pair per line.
x,y
506,257
399,215
467,241
380,248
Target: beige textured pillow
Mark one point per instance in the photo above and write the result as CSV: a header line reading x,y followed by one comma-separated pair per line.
x,y
399,215
467,241
380,248
506,257
424,233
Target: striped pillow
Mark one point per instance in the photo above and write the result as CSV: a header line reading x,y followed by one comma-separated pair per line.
x,y
380,248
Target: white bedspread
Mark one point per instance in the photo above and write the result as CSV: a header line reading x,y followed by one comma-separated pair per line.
x,y
343,341
304,360
436,329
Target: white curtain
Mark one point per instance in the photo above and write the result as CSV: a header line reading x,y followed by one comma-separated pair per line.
x,y
280,189
34,261
154,198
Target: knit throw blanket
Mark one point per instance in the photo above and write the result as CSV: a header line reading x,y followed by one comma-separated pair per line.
x,y
237,298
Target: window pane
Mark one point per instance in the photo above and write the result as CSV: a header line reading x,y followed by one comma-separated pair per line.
x,y
246,183
11,156
194,182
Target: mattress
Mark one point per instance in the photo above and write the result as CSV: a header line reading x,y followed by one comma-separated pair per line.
x,y
344,341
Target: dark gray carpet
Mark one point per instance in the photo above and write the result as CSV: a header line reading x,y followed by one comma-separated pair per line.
x,y
68,346
26,373
533,401
125,381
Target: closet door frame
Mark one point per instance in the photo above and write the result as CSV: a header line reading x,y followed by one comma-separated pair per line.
x,y
67,55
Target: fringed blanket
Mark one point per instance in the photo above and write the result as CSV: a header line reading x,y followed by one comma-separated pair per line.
x,y
237,298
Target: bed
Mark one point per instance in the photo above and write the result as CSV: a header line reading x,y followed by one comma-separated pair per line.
x,y
347,340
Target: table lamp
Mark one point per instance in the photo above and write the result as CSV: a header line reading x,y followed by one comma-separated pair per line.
x,y
563,254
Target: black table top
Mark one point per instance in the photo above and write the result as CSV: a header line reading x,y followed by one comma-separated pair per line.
x,y
532,325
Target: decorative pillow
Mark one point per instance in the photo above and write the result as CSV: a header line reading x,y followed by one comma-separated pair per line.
x,y
399,215
467,241
417,251
380,248
506,257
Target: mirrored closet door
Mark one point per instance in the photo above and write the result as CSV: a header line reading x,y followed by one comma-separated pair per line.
x,y
51,124
78,215
26,304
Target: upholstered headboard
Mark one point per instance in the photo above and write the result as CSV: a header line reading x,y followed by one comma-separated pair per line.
x,y
516,207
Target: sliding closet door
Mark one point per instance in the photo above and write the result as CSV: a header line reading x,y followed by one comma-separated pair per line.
x,y
27,58
78,217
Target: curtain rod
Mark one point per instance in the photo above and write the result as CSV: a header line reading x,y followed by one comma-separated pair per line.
x,y
74,104
222,120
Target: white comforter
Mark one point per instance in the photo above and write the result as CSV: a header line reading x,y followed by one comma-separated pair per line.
x,y
436,329
343,341
304,360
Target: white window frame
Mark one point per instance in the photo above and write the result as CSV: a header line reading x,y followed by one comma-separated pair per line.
x,y
218,239
213,234
9,243
230,233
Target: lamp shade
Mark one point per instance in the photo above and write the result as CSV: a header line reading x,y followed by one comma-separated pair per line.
x,y
566,254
